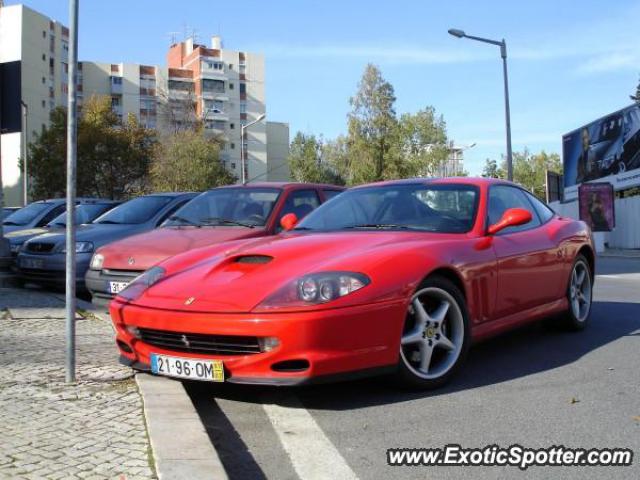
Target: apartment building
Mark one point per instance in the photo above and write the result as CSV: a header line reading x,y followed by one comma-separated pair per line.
x,y
225,87
33,79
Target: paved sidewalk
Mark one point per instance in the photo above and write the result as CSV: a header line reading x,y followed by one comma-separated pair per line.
x,y
94,429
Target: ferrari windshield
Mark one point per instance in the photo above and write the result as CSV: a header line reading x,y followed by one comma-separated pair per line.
x,y
432,207
242,206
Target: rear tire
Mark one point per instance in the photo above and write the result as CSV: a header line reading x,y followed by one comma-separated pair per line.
x,y
435,337
579,295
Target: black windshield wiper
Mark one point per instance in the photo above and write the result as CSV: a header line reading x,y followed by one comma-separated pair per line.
x,y
212,221
302,228
12,224
378,226
178,218
109,222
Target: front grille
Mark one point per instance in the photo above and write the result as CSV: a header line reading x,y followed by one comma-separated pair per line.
x,y
39,247
126,274
200,343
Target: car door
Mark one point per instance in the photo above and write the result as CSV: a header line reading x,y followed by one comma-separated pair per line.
x,y
526,255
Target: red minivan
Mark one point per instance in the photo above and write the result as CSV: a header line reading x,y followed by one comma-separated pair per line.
x,y
218,215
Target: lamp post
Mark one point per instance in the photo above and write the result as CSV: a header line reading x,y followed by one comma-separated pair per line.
x,y
503,53
25,154
243,149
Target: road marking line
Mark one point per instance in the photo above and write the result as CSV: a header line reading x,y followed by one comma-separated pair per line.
x,y
312,454
621,276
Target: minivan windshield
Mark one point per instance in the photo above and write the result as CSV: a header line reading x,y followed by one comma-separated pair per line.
x,y
138,210
430,207
242,206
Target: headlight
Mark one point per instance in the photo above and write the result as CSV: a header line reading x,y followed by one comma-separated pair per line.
x,y
317,288
96,261
81,247
142,282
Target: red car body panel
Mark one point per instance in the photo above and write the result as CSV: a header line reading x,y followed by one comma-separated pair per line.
x,y
506,280
152,247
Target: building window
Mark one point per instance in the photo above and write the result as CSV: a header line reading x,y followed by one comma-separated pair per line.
x,y
230,86
231,66
44,80
243,107
180,85
243,89
232,126
232,146
212,86
44,104
44,34
116,80
115,101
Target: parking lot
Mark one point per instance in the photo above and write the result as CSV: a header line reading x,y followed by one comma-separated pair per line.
x,y
536,387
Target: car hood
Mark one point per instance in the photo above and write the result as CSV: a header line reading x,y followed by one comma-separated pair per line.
x,y
20,236
142,251
228,279
97,233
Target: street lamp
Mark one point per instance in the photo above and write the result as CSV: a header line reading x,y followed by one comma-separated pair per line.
x,y
243,149
503,53
25,113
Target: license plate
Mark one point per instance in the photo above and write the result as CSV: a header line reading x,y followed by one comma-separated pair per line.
x,y
209,370
117,287
36,263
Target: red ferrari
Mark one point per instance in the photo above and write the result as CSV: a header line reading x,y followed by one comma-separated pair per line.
x,y
394,277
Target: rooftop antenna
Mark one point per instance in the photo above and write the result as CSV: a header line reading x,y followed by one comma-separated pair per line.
x,y
172,35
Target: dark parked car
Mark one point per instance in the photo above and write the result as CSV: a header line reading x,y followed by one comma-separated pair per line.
x,y
87,210
42,258
36,214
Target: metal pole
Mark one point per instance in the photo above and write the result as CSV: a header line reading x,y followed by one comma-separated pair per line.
x,y
72,113
242,154
25,154
503,53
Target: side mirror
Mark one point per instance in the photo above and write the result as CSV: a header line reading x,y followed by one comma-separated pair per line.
x,y
510,218
288,221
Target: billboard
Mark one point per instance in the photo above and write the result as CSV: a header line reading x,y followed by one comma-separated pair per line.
x,y
597,207
607,149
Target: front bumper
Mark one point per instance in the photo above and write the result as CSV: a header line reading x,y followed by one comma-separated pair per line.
x,y
335,344
51,269
98,283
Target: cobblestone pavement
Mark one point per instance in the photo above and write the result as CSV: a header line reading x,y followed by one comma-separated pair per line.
x,y
94,429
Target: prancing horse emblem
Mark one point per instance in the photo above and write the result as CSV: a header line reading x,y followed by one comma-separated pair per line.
x,y
189,300
185,340
131,261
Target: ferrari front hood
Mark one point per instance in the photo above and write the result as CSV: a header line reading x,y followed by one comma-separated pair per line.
x,y
238,278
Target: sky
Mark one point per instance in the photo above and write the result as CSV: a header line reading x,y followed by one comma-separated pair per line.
x,y
570,62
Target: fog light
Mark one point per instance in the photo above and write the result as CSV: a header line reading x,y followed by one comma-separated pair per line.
x,y
133,330
268,343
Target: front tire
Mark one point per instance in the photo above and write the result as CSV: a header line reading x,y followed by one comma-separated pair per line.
x,y
579,294
436,335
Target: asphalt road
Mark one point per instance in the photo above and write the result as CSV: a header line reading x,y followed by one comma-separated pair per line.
x,y
536,387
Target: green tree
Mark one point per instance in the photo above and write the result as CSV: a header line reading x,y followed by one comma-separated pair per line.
x,y
491,169
636,97
372,128
188,160
421,145
113,157
307,160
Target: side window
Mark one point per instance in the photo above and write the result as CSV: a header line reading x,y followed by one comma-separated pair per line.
x,y
329,194
52,214
503,197
300,202
544,212
171,211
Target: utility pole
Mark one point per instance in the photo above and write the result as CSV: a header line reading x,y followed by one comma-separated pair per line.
x,y
72,113
25,153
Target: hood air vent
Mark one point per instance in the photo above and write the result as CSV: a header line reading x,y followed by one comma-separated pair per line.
x,y
254,259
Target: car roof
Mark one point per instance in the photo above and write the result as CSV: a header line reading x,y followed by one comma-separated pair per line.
x,y
283,185
477,181
167,194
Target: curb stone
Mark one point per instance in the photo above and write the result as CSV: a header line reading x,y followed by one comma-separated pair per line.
x,y
180,443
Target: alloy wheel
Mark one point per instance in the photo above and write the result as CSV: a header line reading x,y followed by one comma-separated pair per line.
x,y
434,333
580,291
